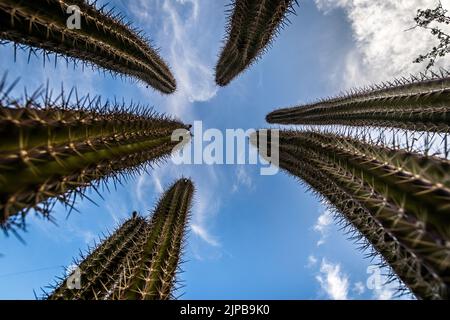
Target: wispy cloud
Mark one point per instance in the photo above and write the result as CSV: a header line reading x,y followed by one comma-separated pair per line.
x,y
322,226
385,45
333,281
359,288
243,179
176,31
312,261
204,234
205,209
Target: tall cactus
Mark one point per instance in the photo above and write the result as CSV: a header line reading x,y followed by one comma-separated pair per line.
x,y
416,104
103,40
51,150
150,269
251,28
398,200
140,260
95,270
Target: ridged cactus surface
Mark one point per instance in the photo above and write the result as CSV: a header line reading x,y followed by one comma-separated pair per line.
x,y
416,104
96,270
141,259
150,268
252,26
103,40
398,200
52,150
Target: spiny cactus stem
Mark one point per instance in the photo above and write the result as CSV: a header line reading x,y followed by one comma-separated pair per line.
x,y
164,253
35,174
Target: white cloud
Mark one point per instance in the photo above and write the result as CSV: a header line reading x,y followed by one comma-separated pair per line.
x,y
312,261
204,234
178,26
333,281
206,207
359,288
384,293
242,179
322,225
384,48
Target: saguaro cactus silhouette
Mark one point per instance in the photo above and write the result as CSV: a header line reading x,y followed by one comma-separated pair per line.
x,y
52,150
398,200
415,104
102,40
252,26
140,260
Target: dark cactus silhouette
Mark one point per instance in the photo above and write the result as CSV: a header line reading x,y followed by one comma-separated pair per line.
x,y
140,260
52,149
252,26
396,199
415,104
103,40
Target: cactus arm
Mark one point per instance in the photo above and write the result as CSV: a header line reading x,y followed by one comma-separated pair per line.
x,y
103,40
251,28
358,177
416,105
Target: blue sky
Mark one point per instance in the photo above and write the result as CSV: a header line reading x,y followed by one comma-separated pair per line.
x,y
252,236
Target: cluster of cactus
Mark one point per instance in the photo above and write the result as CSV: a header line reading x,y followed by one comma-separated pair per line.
x,y
52,149
252,26
103,40
420,104
140,260
397,199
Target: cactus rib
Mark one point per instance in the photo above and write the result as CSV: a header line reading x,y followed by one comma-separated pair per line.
x,y
151,276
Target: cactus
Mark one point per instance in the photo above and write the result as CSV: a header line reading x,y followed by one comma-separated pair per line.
x,y
150,270
251,28
52,150
96,269
421,104
390,196
140,260
104,40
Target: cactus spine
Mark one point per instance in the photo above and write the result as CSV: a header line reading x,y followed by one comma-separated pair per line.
x,y
414,104
384,194
251,28
140,260
52,151
103,40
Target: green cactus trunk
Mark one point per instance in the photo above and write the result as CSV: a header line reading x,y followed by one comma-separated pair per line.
x,y
140,260
96,270
50,153
251,28
404,194
104,40
422,105
151,268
